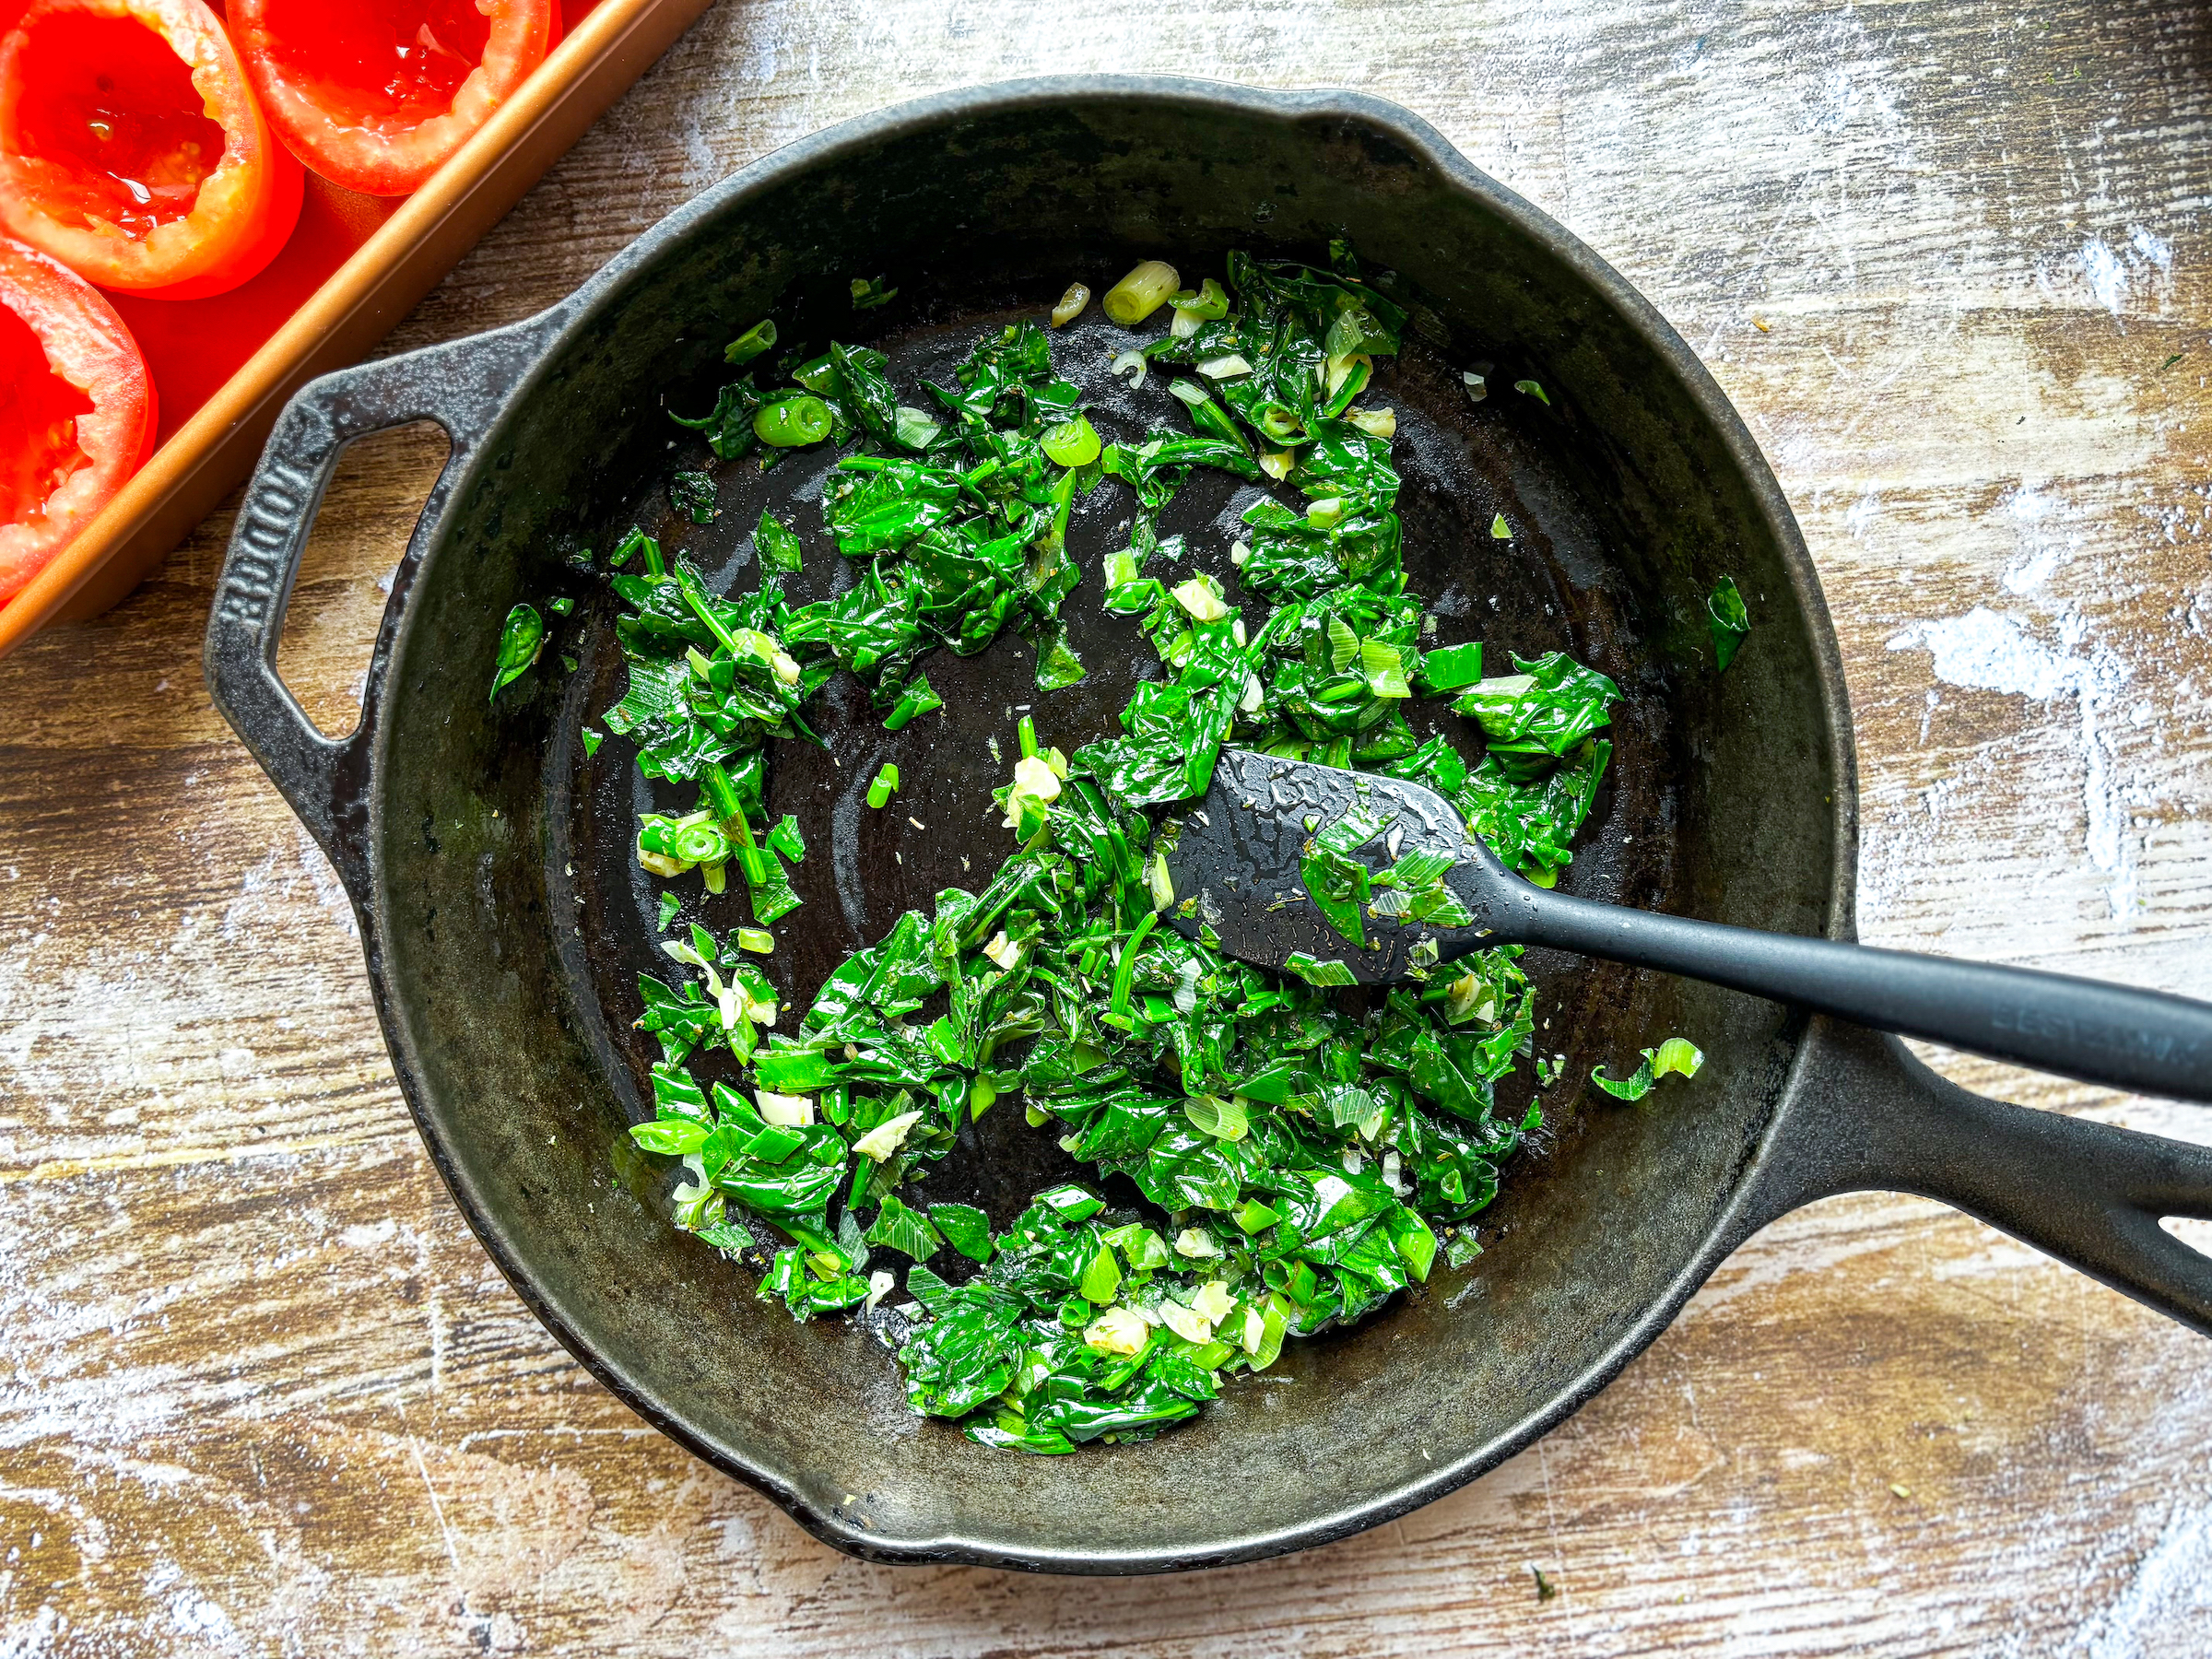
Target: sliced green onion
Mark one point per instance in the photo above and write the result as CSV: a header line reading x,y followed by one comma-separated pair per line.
x,y
1675,1056
1118,1330
1186,1323
722,794
1384,668
1126,970
701,843
1209,301
1212,1302
914,428
1027,733
919,698
886,1137
791,422
1534,391
757,940
1268,1348
674,1137
1195,1243
760,338
1142,292
1323,974
1201,598
1500,530
1223,1120
1072,442
1345,378
1071,305
1029,800
879,791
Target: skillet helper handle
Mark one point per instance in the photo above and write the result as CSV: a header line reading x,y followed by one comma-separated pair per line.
x,y
457,385
1870,1116
2145,1040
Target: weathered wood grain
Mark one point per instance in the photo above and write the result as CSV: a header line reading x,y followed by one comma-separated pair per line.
x,y
263,1394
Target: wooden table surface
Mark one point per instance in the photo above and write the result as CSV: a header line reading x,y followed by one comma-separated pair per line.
x,y
263,1393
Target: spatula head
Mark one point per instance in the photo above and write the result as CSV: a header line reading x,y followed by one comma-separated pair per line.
x,y
1271,833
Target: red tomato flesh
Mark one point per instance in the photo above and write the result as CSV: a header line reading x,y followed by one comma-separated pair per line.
x,y
76,409
38,424
375,94
391,60
108,100
132,150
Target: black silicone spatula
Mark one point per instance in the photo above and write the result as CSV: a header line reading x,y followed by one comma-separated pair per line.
x,y
1238,867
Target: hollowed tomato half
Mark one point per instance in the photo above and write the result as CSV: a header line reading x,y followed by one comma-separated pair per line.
x,y
375,94
132,148
76,409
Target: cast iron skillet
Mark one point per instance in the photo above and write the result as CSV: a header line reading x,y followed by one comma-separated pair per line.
x,y
502,917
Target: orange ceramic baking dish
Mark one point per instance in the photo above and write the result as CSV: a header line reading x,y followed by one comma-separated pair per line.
x,y
393,263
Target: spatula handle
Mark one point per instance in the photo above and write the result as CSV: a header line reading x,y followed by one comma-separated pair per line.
x,y
2145,1040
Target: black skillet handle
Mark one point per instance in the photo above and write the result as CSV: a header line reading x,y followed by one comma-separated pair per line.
x,y
1864,1116
2122,1037
459,385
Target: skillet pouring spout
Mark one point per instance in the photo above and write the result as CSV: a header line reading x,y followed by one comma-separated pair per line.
x,y
1348,877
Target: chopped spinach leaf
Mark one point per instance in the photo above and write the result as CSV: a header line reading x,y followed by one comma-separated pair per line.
x,y
728,428
965,1228
520,639
778,547
869,292
1728,618
692,494
905,1231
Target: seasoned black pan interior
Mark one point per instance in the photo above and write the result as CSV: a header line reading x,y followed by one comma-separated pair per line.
x,y
1465,464
516,919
